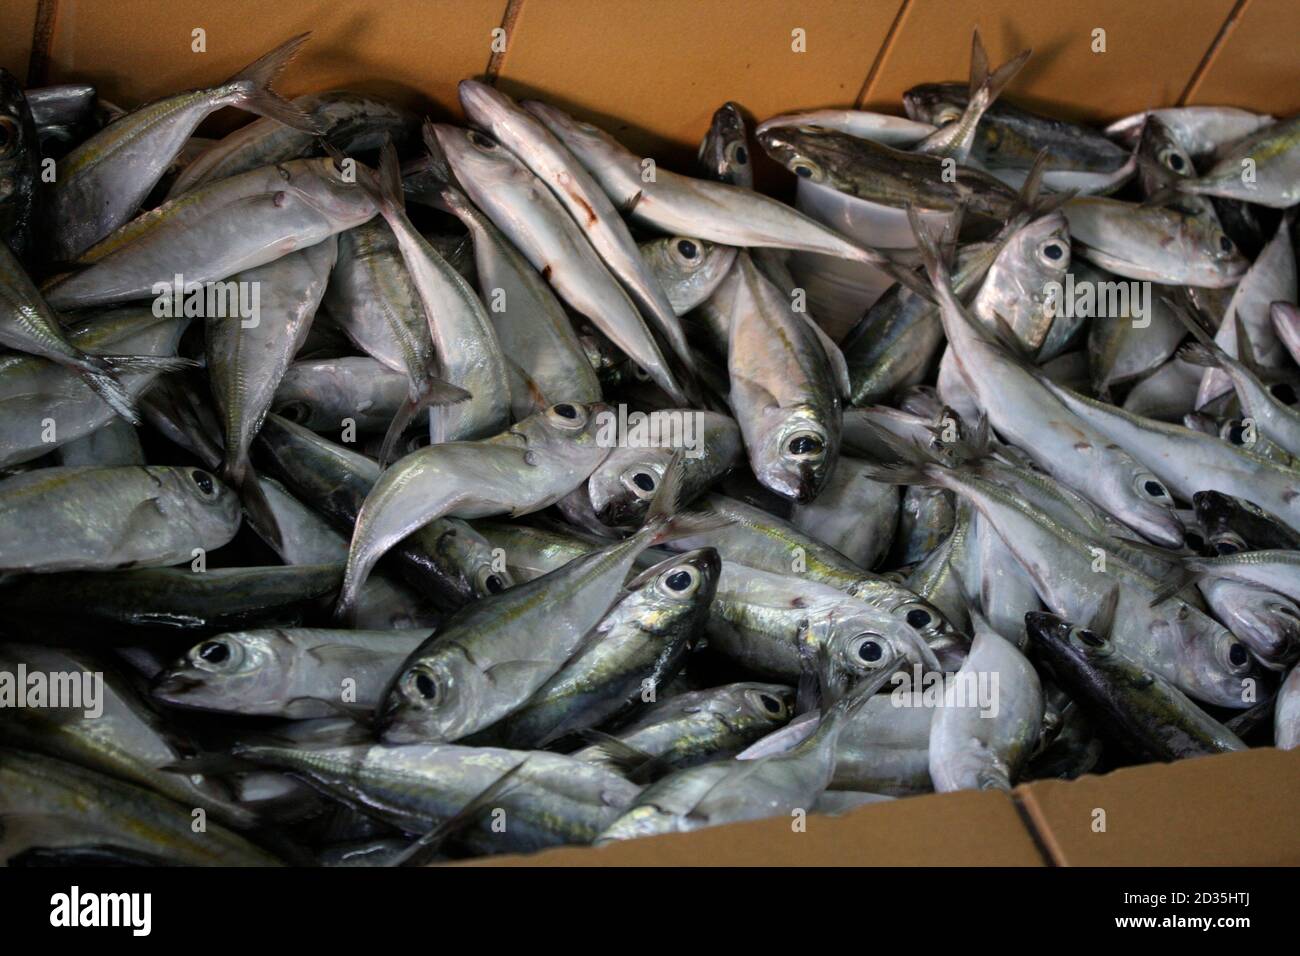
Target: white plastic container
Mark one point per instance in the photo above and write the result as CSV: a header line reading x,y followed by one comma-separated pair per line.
x,y
840,291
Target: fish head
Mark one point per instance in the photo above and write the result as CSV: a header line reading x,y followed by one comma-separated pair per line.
x,y
478,159
936,103
335,191
433,697
1144,503
1217,658
1019,284
866,643
581,434
1161,156
242,671
1214,258
810,152
1268,623
929,623
463,552
622,488
590,144
1067,645
682,584
725,149
211,507
795,452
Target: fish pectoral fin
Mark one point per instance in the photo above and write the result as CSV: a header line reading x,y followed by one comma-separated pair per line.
x,y
521,671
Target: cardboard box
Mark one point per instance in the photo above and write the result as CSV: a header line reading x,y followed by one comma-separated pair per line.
x,y
653,73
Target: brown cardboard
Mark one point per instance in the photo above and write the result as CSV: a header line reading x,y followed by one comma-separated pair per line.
x,y
950,829
1152,48
1235,809
16,37
1255,64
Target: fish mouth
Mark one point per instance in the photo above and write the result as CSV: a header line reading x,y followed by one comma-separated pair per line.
x,y
174,685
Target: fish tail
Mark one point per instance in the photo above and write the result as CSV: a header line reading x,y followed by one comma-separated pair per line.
x,y
991,85
935,262
427,394
108,387
254,94
252,496
437,157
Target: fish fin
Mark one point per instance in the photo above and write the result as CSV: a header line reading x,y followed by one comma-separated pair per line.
x,y
425,849
255,93
979,64
624,756
664,520
437,157
535,394
114,394
430,393
932,258
1177,581
257,506
628,206
1103,619
213,764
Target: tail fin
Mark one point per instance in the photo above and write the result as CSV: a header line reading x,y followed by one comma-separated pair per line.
x,y
438,161
106,385
985,88
257,506
255,93
432,391
665,521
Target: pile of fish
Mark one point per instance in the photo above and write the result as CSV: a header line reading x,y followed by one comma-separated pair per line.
x,y
377,491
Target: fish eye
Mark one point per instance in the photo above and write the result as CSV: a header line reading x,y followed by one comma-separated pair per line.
x,y
481,141
1225,245
567,415
490,582
737,153
1091,638
1226,548
1238,656
919,618
1053,250
870,650
688,249
1173,160
803,170
419,684
203,481
1284,393
641,482
217,654
805,446
769,704
1152,488
682,580
296,412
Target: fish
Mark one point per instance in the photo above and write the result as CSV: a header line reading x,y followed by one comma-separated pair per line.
x,y
322,394
20,156
246,359
486,661
880,127
689,270
853,514
220,229
955,139
1235,524
693,728
446,559
528,213
1202,130
979,741
522,129
28,324
350,122
148,516
1261,168
1147,713
53,804
99,185
885,175
296,673
724,151
682,205
1286,722
526,468
786,389
637,648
